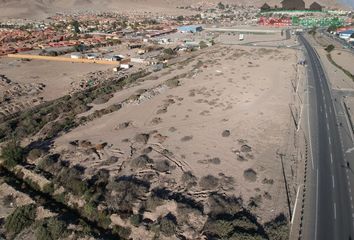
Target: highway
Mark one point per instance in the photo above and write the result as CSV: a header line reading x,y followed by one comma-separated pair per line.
x,y
328,208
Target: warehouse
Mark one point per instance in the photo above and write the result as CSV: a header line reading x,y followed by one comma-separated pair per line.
x,y
190,29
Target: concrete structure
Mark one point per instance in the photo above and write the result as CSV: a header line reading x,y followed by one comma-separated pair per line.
x,y
190,29
293,4
315,7
346,34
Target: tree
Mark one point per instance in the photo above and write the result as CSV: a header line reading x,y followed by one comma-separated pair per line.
x,y
76,26
51,229
180,18
329,48
221,5
21,218
12,153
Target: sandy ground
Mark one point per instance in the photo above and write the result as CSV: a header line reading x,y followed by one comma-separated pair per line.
x,y
232,106
56,76
349,101
338,79
344,59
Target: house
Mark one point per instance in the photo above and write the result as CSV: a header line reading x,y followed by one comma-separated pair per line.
x,y
190,29
265,7
315,7
293,4
346,34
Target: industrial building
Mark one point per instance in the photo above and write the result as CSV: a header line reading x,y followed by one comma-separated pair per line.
x,y
190,29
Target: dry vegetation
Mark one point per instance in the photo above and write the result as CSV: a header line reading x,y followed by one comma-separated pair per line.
x,y
165,162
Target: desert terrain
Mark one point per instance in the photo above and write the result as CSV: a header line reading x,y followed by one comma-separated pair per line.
x,y
39,9
214,123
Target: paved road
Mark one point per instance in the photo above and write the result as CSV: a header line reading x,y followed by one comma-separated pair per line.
x,y
328,212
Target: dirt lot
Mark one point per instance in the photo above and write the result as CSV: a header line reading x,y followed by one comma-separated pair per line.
x,y
227,117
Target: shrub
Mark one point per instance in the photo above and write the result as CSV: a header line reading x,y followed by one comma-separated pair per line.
x,y
152,202
163,166
329,48
51,229
208,182
48,188
168,225
141,161
21,218
12,153
123,232
135,220
189,179
250,175
34,154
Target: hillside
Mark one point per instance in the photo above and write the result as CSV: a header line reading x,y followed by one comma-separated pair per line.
x,y
42,8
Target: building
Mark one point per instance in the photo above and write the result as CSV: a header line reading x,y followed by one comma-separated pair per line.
x,y
190,29
315,7
265,7
293,4
346,34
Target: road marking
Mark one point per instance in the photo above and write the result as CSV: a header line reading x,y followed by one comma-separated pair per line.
x,y
329,140
332,181
327,127
295,205
331,158
335,211
316,206
308,123
327,116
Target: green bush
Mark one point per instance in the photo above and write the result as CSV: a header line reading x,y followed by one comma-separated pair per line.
x,y
329,48
20,219
122,231
135,220
168,225
12,153
51,229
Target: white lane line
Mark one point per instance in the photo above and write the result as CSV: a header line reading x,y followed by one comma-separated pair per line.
x,y
316,205
331,158
327,127
295,205
309,125
335,211
332,181
329,140
326,117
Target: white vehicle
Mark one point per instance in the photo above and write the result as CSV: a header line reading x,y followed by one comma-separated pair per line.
x,y
241,37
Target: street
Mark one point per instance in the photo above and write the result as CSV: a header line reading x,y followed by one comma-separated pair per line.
x,y
328,211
